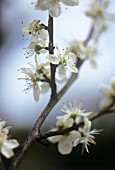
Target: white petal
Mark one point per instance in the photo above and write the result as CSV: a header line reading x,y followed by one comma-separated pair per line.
x,y
7,152
87,125
74,135
34,38
55,10
43,4
60,72
43,34
54,139
12,143
65,145
105,90
53,59
45,88
44,51
26,30
72,67
70,2
28,72
69,122
36,92
71,57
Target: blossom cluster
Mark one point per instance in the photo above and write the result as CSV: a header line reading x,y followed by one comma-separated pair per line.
x,y
98,12
39,37
83,135
109,94
83,52
6,145
53,6
36,78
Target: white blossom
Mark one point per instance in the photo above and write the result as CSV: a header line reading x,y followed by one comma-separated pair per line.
x,y
35,28
73,111
83,51
6,145
71,139
64,62
35,78
86,135
38,46
109,93
53,6
98,11
31,82
65,142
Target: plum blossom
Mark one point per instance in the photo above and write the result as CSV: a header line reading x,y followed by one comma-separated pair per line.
x,y
83,52
35,28
65,142
53,6
64,62
109,93
74,112
86,135
99,14
35,78
82,135
6,145
37,46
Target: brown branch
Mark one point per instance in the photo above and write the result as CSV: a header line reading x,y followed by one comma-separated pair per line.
x,y
51,51
35,133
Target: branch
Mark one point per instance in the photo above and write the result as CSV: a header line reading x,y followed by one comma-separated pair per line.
x,y
35,134
51,51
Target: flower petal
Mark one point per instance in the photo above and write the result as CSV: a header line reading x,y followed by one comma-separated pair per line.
x,y
43,4
45,88
54,139
7,152
53,59
70,2
12,143
72,67
43,34
60,72
36,91
65,145
55,10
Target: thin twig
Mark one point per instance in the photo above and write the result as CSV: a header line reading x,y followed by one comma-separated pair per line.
x,y
51,51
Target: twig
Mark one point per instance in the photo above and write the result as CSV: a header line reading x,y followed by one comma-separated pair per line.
x,y
51,51
35,133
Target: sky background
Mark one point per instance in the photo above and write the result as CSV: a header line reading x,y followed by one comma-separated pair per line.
x,y
19,108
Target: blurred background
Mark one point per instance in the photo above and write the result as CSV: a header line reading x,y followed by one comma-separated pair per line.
x,y
20,109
